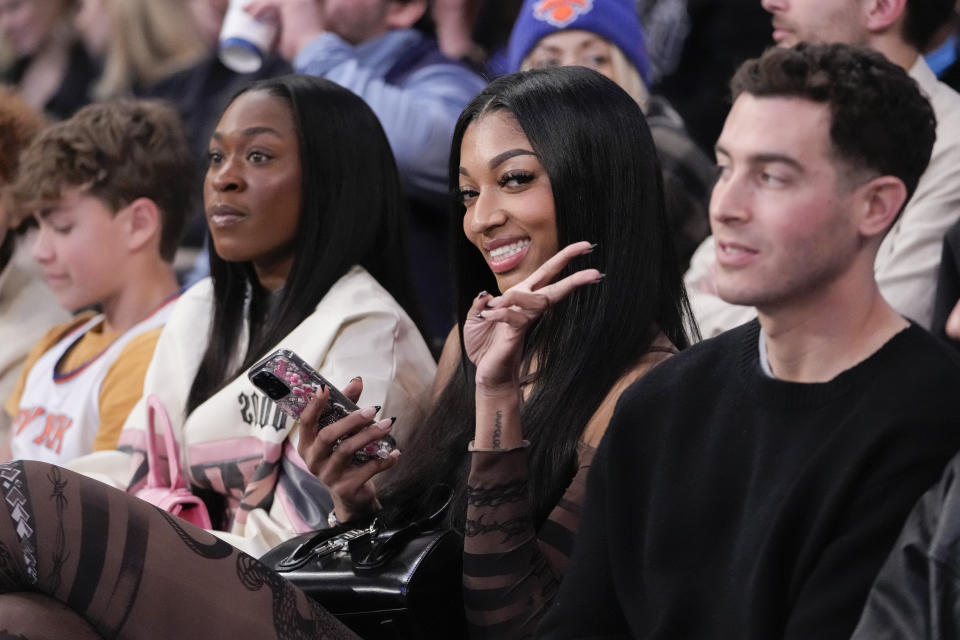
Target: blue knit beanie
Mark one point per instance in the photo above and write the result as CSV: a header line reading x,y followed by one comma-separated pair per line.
x,y
615,20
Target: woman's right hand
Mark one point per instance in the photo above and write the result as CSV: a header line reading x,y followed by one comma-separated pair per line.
x,y
495,327
351,486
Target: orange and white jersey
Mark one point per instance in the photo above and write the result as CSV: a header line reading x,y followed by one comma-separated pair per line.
x,y
59,413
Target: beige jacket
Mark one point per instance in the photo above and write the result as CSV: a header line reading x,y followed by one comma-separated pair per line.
x,y
237,442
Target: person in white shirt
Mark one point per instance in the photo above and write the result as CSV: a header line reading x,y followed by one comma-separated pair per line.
x,y
98,187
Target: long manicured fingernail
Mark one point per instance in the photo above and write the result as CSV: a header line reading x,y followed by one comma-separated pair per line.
x,y
600,277
377,407
593,245
480,315
368,412
482,294
323,387
385,424
393,420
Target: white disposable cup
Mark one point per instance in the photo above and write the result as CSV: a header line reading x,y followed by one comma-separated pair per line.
x,y
244,41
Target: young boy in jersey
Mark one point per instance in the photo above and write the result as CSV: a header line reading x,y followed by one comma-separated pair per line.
x,y
107,190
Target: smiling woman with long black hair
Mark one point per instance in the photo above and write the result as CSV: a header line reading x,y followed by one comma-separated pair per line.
x,y
557,182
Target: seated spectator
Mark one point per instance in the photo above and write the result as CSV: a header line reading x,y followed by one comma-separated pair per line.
x,y
27,307
606,36
138,42
908,259
529,187
375,49
752,485
530,376
51,68
98,186
304,256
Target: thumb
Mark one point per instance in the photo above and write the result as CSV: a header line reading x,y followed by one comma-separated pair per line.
x,y
353,389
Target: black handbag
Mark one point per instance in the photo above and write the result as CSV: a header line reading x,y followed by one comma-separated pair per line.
x,y
396,583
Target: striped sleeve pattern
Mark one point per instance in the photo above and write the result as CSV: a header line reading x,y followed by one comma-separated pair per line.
x,y
510,571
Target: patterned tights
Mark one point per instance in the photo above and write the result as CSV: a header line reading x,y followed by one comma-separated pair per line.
x,y
130,570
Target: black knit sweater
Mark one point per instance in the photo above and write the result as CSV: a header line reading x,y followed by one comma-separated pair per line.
x,y
726,504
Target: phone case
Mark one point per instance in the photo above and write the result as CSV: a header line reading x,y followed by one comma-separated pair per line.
x,y
291,382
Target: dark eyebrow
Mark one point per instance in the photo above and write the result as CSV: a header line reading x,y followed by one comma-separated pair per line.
x,y
249,132
506,155
501,158
765,158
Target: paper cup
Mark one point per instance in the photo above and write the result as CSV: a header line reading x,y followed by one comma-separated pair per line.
x,y
244,41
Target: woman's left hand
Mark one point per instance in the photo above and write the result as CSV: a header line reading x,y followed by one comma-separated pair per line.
x,y
495,326
328,453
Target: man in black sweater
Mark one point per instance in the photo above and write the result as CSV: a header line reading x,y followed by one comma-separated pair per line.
x,y
751,486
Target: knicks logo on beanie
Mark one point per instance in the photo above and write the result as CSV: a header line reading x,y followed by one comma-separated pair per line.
x,y
614,20
560,13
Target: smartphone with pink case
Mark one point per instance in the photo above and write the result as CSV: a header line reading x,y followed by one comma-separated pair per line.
x,y
291,382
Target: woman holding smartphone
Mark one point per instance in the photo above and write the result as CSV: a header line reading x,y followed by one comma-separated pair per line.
x,y
305,256
557,184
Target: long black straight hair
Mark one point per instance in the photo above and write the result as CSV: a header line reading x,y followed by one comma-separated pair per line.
x,y
351,214
594,143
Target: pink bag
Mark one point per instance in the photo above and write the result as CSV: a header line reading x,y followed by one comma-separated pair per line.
x,y
174,498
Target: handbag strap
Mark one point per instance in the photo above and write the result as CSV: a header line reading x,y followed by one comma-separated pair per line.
x,y
157,413
370,546
375,551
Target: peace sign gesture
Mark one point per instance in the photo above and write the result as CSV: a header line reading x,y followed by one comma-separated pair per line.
x,y
495,326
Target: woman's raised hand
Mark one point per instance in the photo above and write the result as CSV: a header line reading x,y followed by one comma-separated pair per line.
x,y
495,326
351,486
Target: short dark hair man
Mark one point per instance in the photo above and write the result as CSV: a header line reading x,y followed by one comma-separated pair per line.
x,y
907,261
750,487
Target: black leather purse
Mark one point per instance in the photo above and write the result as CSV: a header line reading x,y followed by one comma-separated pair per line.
x,y
397,583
